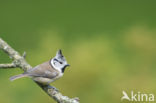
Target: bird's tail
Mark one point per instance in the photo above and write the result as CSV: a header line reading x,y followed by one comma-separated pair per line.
x,y
18,76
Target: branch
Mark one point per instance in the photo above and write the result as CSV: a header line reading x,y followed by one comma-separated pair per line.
x,y
19,61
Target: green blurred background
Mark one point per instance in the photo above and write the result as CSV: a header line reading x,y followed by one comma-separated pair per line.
x,y
110,45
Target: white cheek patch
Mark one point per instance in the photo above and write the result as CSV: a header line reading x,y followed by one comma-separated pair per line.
x,y
57,68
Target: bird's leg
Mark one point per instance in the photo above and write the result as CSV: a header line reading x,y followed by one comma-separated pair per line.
x,y
47,86
52,87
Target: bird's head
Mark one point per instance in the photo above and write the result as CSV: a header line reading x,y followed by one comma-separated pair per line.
x,y
59,62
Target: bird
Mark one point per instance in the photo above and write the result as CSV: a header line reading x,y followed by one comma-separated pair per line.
x,y
46,72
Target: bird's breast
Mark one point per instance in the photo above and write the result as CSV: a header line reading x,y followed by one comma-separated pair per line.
x,y
59,75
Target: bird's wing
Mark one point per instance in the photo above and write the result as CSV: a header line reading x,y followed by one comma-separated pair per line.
x,y
43,70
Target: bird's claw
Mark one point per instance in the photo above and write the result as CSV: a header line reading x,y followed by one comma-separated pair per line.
x,y
52,87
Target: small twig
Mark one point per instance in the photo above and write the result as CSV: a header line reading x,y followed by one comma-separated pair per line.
x,y
24,55
19,61
5,66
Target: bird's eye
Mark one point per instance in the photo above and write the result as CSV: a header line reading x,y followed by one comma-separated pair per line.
x,y
60,62
55,60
